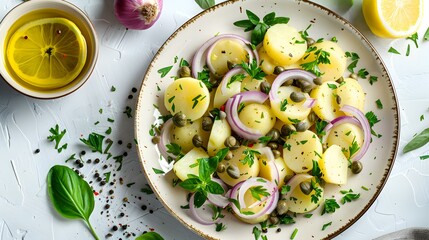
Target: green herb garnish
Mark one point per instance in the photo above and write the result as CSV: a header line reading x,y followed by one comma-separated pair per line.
x,y
94,142
326,225
393,50
330,206
56,136
418,141
379,104
349,196
258,27
204,4
249,157
150,236
372,79
253,69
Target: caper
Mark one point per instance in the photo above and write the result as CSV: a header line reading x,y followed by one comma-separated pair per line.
x,y
265,87
230,64
278,70
301,126
273,145
340,80
287,178
229,155
288,82
233,171
179,119
306,187
287,130
356,167
230,141
310,41
312,117
274,134
197,140
276,153
354,76
221,167
184,71
297,97
274,220
207,123
338,99
156,140
306,87
318,81
282,207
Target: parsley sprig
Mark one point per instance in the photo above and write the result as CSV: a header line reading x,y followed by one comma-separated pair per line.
x,y
321,57
258,27
253,69
249,157
56,137
202,184
94,142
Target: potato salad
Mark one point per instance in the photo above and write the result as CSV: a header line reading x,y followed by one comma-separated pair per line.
x,y
259,127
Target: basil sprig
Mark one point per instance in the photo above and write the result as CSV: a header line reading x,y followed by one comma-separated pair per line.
x,y
150,236
258,27
202,184
71,196
204,4
418,141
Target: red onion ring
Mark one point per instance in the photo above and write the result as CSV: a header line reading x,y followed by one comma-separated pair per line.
x,y
358,114
197,216
309,103
242,187
231,110
165,139
285,76
198,61
338,121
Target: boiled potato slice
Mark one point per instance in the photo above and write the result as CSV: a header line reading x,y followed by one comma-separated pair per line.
x,y
287,110
258,116
343,135
238,160
224,50
334,165
187,95
338,61
284,44
220,97
219,133
251,84
188,164
301,203
183,135
300,149
326,107
285,173
351,93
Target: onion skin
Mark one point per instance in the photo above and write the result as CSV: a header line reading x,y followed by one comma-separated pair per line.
x,y
138,14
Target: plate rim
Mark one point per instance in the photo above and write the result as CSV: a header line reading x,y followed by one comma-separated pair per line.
x,y
377,57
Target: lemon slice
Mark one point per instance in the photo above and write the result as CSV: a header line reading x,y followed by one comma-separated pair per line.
x,y
47,53
393,18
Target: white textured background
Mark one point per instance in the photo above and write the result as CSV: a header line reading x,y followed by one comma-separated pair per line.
x,y
26,213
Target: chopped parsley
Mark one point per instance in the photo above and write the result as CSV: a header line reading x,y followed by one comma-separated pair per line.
x,y
373,79
349,196
321,57
164,71
379,104
329,206
393,50
56,137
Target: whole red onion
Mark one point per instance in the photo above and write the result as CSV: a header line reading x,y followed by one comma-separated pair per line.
x,y
138,14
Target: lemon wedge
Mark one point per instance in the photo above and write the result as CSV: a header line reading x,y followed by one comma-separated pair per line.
x,y
393,18
47,53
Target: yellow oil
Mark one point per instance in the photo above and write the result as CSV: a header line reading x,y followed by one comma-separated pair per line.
x,y
50,13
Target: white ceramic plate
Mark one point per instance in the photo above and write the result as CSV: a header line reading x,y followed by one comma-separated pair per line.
x,y
325,24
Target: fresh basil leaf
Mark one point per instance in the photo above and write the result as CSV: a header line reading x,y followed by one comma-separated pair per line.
x,y
252,17
258,33
246,24
190,184
70,194
204,169
269,17
418,141
278,20
215,188
204,4
199,198
150,236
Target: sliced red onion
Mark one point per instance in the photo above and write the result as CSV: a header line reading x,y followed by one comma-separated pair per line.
x,y
270,201
219,200
138,14
165,165
226,79
288,75
246,45
338,121
231,110
295,181
309,103
358,114
199,59
197,216
268,153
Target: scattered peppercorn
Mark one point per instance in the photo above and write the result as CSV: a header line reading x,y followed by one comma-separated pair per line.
x,y
37,151
99,179
89,161
129,145
102,183
119,142
80,165
82,153
125,154
134,90
105,166
107,206
124,227
115,228
109,235
97,160
130,96
111,191
96,175
151,211
121,214
279,229
144,207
